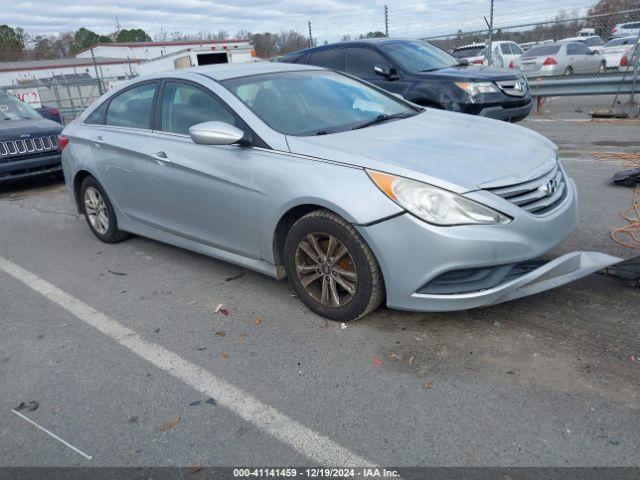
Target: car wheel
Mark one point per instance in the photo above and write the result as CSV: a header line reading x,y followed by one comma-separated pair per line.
x,y
99,212
568,71
603,67
331,268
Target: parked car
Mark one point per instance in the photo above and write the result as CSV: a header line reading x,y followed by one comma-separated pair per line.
x,y
626,29
51,113
28,142
614,50
352,193
473,53
629,61
527,45
594,42
426,75
566,58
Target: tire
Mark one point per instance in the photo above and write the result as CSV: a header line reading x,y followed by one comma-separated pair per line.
x,y
568,71
603,67
367,288
90,190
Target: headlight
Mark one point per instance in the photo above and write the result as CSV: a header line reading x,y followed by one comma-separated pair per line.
x,y
476,88
435,205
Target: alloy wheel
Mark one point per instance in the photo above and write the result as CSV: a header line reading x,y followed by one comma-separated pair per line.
x,y
326,269
96,210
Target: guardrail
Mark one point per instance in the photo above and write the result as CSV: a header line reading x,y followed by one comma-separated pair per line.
x,y
565,86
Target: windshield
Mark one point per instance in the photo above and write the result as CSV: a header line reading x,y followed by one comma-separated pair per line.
x,y
468,52
13,109
419,56
543,50
314,102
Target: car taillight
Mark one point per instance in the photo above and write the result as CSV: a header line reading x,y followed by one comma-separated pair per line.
x,y
614,30
478,61
54,111
624,61
549,61
62,142
511,64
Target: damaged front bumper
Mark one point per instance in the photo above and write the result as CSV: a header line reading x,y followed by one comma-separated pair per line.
x,y
432,269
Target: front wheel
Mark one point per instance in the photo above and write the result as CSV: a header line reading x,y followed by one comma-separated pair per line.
x,y
331,268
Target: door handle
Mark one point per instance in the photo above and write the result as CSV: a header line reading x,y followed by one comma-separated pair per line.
x,y
98,138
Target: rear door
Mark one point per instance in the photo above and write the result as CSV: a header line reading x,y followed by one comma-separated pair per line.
x,y
119,144
202,192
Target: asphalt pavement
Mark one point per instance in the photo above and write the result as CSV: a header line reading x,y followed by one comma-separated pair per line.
x,y
122,348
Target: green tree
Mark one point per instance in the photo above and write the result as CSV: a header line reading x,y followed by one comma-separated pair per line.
x,y
133,35
84,38
12,43
377,34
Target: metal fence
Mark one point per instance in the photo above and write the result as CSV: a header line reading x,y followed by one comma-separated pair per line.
x,y
69,94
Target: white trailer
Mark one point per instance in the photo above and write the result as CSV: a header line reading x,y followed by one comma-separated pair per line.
x,y
233,51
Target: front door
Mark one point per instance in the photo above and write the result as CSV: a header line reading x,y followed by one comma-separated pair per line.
x,y
361,62
203,192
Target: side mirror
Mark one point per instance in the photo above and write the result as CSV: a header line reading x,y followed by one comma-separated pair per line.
x,y
385,71
463,62
216,133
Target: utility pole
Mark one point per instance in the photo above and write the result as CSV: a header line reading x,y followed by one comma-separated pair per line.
x,y
95,66
310,35
490,46
386,21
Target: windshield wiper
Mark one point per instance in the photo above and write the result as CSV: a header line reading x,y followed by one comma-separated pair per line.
x,y
383,117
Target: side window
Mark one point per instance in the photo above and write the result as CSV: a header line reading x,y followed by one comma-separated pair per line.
x,y
97,116
505,48
572,49
515,48
132,108
185,105
582,49
333,58
360,62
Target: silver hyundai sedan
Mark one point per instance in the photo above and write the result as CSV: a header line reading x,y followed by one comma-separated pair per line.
x,y
357,196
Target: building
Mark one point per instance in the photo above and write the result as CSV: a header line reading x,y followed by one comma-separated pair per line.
x,y
16,73
151,50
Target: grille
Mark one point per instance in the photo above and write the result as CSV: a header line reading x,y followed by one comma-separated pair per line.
x,y
515,88
12,148
538,196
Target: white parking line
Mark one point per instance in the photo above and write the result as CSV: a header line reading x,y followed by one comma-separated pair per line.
x,y
302,439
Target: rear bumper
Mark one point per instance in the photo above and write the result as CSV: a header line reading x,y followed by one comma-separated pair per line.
x,y
17,169
476,265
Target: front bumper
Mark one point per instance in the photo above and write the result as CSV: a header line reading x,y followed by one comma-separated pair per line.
x,y
414,254
509,114
19,168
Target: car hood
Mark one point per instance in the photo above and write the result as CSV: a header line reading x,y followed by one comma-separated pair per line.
x,y
472,73
31,128
452,150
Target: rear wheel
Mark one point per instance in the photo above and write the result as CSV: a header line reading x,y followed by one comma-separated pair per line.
x,y
331,268
568,71
99,212
603,67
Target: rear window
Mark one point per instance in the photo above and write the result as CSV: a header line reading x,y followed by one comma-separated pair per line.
x,y
620,41
543,50
466,52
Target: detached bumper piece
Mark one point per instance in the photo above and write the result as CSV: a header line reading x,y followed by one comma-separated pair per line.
x,y
627,271
515,281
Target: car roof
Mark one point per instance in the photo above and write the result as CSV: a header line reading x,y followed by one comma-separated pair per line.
x,y
352,43
577,39
471,45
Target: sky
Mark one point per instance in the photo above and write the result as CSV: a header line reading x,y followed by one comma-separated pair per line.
x,y
330,19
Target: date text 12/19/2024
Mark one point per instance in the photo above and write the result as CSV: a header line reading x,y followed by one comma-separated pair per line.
x,y
315,473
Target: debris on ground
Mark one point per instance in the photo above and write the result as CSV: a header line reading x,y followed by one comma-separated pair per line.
x,y
133,419
394,356
634,357
224,355
195,403
627,271
410,361
614,441
170,424
627,178
222,310
133,451
122,274
258,320
236,277
157,330
201,348
241,431
428,385
195,468
192,303
31,406
377,361
220,333
343,325
210,401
